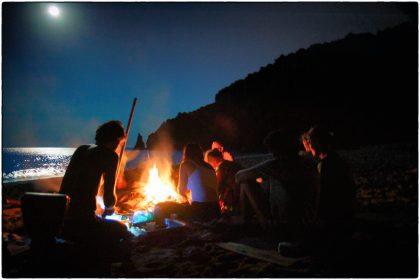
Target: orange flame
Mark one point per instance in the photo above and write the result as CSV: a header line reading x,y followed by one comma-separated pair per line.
x,y
155,185
159,188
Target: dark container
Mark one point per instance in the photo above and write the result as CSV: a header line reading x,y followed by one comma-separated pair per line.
x,y
43,215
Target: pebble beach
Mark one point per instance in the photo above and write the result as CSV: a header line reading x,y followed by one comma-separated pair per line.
x,y
384,243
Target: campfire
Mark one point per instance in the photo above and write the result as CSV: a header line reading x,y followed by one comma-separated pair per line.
x,y
159,189
137,199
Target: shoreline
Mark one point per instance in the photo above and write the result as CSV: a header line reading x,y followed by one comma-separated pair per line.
x,y
30,180
14,190
384,243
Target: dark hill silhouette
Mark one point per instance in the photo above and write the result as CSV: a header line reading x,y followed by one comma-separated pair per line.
x,y
364,86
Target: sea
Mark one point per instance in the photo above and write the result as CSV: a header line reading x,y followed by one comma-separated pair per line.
x,y
26,164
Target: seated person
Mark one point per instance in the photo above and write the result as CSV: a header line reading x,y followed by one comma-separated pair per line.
x,y
88,166
293,188
228,190
197,179
337,189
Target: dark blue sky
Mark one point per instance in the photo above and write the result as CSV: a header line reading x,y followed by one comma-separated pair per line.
x,y
63,76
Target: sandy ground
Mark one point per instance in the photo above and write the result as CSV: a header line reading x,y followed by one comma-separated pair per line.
x,y
384,244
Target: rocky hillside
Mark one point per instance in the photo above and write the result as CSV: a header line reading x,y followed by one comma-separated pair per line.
x,y
365,86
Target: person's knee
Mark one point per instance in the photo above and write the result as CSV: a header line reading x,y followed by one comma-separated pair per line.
x,y
114,230
247,189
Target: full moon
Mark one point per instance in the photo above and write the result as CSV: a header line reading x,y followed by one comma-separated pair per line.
x,y
54,11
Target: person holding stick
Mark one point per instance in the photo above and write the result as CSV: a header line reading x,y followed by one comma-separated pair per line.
x,y
88,165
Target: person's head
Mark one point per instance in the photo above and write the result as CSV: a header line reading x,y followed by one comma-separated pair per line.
x,y
110,134
214,158
282,143
304,138
320,140
217,145
193,152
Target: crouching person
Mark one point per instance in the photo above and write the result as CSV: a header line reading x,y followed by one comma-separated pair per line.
x,y
88,166
293,189
227,189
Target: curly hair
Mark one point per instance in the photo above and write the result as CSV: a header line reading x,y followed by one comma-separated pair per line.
x,y
109,132
321,138
215,153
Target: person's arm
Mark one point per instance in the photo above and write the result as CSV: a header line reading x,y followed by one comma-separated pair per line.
x,y
245,175
183,179
252,173
110,171
227,156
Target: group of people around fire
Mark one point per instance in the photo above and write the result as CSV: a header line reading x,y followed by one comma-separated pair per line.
x,y
299,198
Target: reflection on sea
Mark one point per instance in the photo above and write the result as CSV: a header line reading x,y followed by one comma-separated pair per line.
x,y
24,164
34,163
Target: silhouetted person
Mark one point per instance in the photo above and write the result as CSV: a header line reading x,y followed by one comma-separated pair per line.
x,y
88,166
197,183
293,186
228,189
337,188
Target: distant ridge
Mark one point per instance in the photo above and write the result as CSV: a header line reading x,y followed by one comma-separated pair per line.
x,y
364,86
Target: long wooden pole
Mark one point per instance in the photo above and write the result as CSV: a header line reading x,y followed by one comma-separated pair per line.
x,y
133,107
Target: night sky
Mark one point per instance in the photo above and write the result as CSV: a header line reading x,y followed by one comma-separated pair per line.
x,y
63,76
